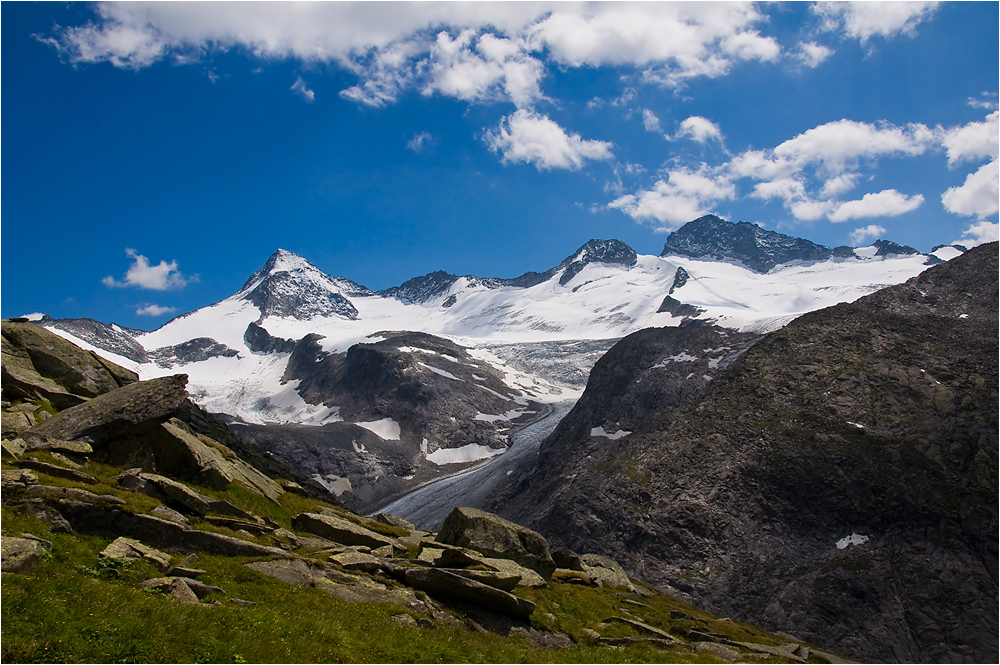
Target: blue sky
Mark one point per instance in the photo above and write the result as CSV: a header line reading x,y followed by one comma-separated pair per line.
x,y
154,155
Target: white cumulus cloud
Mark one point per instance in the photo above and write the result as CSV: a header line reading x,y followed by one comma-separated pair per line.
x,y
866,233
978,196
864,20
974,141
887,203
531,138
155,310
812,54
670,203
981,232
699,129
161,277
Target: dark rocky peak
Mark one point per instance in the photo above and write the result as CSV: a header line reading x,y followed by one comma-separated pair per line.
x,y
597,251
889,248
287,285
421,289
109,337
711,237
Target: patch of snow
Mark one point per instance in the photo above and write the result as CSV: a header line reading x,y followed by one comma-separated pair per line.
x,y
713,363
853,539
387,428
34,316
333,484
478,378
415,349
599,431
858,425
467,453
682,357
441,372
358,447
866,252
963,316
451,358
947,253
510,415
423,446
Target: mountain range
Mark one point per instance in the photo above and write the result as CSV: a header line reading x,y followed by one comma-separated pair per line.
x,y
798,436
297,348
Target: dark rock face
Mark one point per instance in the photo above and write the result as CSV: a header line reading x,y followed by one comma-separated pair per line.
x,y
110,337
260,341
647,374
289,286
432,388
837,481
889,248
421,289
597,251
710,237
191,351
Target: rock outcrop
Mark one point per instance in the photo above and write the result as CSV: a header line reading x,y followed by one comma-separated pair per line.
x,y
497,537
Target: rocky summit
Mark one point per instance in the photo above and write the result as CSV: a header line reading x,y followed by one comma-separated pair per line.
x,y
137,527
837,480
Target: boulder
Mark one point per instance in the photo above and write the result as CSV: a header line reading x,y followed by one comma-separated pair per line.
x,y
39,363
15,422
170,514
49,493
176,587
129,548
354,560
392,520
13,448
59,446
605,571
195,503
20,555
497,537
493,578
58,471
445,584
108,521
172,449
115,413
53,518
340,530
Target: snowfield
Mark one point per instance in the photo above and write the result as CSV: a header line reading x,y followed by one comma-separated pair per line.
x,y
602,301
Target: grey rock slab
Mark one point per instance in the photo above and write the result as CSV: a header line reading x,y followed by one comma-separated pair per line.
x,y
13,448
197,503
60,446
72,494
353,560
19,555
496,537
111,414
129,548
58,471
449,585
170,514
340,530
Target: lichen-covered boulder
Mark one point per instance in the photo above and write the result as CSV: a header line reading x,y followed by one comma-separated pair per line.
x,y
496,537
114,413
40,364
19,555
340,530
446,584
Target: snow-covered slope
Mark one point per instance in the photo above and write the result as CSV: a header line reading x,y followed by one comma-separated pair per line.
x,y
602,291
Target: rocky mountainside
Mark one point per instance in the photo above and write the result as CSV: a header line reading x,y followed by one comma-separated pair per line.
x,y
711,237
134,529
298,349
838,480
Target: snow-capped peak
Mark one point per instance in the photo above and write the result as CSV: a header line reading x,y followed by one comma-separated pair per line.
x,y
288,285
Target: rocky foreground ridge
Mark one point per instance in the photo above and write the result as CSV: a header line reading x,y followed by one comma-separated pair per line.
x,y
837,480
136,527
